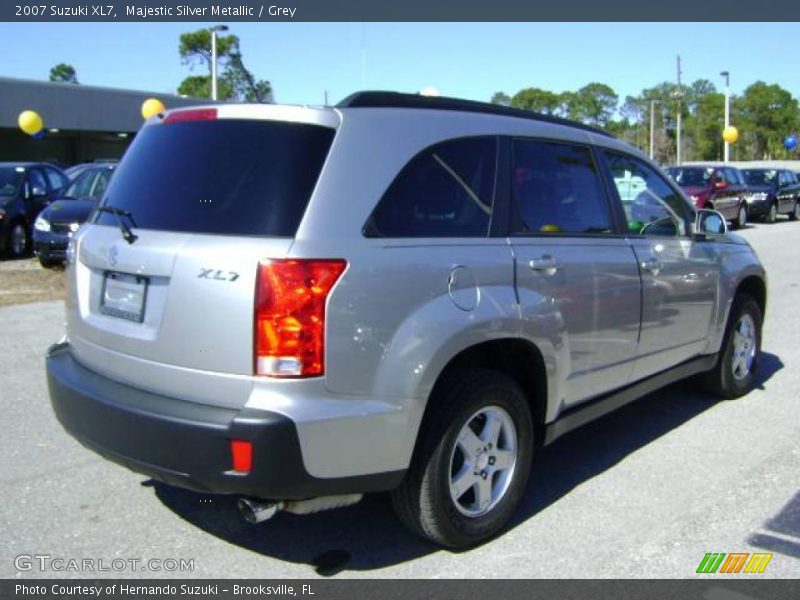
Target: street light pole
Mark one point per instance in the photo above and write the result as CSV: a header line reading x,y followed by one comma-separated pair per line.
x,y
679,97
652,129
727,77
214,31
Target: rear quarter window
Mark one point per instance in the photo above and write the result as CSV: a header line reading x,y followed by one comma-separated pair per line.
x,y
226,176
444,191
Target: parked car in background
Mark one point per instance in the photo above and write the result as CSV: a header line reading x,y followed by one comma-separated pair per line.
x,y
75,170
56,224
772,192
716,187
25,189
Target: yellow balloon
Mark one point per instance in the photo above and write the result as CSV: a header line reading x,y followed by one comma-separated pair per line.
x,y
730,134
151,107
30,122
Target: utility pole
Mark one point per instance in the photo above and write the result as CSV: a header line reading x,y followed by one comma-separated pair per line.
x,y
727,76
679,96
326,97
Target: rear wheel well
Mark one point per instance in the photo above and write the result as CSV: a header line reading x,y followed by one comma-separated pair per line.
x,y
755,288
518,359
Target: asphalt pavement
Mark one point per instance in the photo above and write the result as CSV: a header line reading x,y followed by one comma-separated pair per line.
x,y
644,492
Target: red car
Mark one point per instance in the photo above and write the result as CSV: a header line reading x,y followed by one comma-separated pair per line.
x,y
720,188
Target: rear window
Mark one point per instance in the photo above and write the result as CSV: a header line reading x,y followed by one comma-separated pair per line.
x,y
232,177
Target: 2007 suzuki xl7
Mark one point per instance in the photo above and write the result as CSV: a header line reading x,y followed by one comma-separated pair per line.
x,y
408,294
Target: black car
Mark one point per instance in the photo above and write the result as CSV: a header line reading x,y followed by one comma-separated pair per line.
x,y
773,192
25,189
55,224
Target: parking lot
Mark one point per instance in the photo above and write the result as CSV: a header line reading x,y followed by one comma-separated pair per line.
x,y
644,492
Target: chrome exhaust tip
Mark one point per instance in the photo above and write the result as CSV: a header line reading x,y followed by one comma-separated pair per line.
x,y
257,511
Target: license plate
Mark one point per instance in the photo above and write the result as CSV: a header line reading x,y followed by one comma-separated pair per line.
x,y
124,296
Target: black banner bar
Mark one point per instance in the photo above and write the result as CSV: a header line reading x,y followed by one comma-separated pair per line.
x,y
404,10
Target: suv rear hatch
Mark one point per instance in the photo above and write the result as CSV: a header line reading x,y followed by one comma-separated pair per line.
x,y
207,193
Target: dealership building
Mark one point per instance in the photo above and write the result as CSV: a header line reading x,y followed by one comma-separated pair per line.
x,y
82,122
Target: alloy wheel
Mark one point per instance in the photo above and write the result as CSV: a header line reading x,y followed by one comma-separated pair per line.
x,y
483,461
744,347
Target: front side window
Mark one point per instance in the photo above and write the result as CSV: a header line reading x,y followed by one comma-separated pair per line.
x,y
556,189
445,191
652,206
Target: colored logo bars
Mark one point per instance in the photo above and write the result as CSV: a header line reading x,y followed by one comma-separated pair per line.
x,y
714,562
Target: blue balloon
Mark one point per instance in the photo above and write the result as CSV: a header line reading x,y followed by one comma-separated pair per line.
x,y
790,142
38,135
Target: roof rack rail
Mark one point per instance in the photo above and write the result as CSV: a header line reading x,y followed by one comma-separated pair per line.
x,y
378,99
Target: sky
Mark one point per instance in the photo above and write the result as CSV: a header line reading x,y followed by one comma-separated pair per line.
x,y
467,60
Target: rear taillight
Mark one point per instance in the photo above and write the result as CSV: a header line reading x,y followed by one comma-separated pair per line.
x,y
290,315
195,114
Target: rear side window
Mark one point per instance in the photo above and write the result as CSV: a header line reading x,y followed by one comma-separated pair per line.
x,y
445,191
225,176
556,189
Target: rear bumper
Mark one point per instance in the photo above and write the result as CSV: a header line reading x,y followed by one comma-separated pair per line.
x,y
187,444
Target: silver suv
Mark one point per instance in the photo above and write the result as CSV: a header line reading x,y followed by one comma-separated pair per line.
x,y
301,305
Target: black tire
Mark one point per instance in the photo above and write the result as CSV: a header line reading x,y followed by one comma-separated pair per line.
x,y
13,248
49,263
721,380
772,213
423,501
795,214
741,217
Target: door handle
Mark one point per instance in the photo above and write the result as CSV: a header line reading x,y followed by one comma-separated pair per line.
x,y
653,265
546,263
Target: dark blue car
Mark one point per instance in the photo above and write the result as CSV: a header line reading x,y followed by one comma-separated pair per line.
x,y
56,224
25,189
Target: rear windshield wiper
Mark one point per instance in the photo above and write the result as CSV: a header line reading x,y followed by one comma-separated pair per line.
x,y
127,234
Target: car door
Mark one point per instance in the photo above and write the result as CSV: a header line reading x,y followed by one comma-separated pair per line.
x,y
36,193
577,278
726,198
786,193
58,182
679,275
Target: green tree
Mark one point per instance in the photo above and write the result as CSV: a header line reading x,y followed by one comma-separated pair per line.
x,y
595,104
537,100
64,73
764,115
501,98
234,80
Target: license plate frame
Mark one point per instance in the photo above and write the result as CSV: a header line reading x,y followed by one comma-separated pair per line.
x,y
124,296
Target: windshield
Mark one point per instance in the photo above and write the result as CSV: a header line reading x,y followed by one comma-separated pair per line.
x,y
10,179
691,177
225,176
760,177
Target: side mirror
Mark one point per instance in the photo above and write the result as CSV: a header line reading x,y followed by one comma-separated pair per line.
x,y
710,223
38,191
720,185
